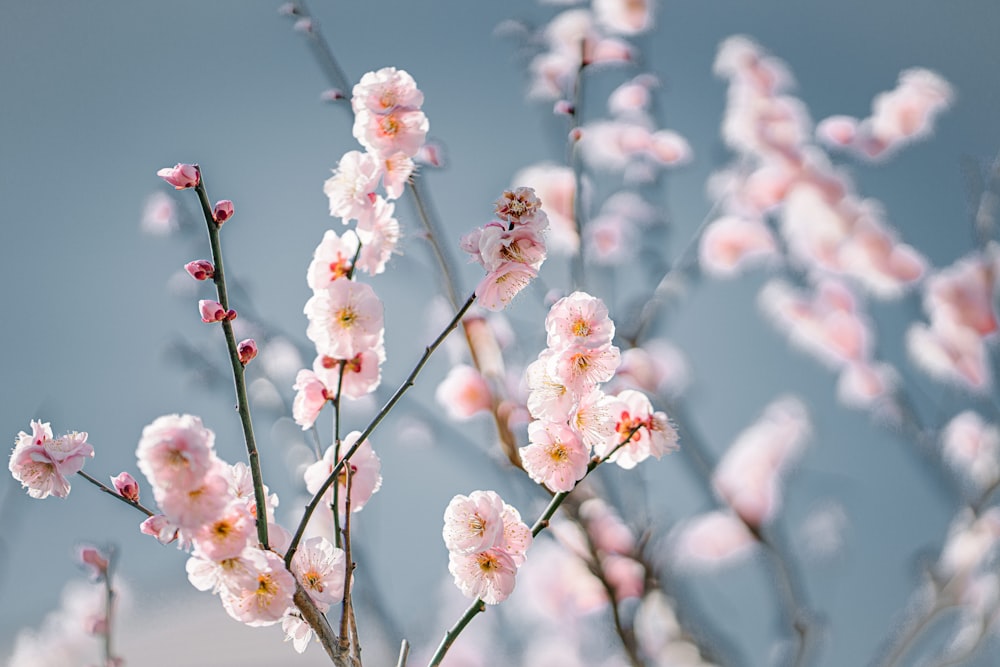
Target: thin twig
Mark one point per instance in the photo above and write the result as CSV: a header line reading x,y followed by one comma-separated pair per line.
x,y
108,490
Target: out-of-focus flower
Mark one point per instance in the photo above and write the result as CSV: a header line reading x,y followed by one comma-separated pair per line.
x,y
464,393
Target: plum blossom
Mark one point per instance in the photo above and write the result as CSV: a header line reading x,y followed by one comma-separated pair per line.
x,y
972,446
43,463
579,319
126,486
556,456
649,432
319,566
351,189
474,523
464,393
260,596
176,451
365,473
711,540
333,259
488,575
181,176
345,319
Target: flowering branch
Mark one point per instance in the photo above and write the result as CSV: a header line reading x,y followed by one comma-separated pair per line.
x,y
106,489
541,524
407,383
242,403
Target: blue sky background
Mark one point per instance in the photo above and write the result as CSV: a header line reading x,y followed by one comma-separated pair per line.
x,y
98,96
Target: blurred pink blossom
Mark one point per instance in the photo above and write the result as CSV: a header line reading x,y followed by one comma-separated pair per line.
x,y
464,393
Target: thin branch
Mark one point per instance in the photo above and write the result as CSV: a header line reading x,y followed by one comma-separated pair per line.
x,y
108,490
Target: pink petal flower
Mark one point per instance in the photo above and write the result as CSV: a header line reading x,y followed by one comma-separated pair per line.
x,y
385,90
501,285
488,575
181,176
176,451
710,541
650,432
94,559
345,319
730,244
556,456
365,474
311,394
261,596
319,566
352,185
332,259
972,446
211,311
464,393
159,526
474,523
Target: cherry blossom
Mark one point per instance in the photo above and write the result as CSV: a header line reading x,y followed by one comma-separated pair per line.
x,y
474,523
261,596
332,259
351,189
345,319
176,451
319,567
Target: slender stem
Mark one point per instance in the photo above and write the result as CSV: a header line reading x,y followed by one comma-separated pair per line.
x,y
349,569
444,258
242,403
109,600
317,621
790,596
324,54
913,632
407,383
476,607
106,489
576,262
404,653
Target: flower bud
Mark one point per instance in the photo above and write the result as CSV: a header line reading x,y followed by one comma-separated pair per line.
x,y
126,486
223,211
303,25
181,176
247,350
211,311
563,108
230,315
200,269
331,95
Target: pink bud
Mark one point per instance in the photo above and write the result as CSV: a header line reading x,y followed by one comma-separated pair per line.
x,y
126,486
159,527
247,350
563,108
223,211
288,9
211,311
181,176
200,269
304,25
230,315
332,95
92,558
575,134
430,154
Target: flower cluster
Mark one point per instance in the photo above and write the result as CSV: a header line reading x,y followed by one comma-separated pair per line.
x,y
511,248
389,124
486,542
346,324
43,463
365,467
573,416
210,505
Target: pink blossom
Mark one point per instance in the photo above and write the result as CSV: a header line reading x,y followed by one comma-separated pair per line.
x,y
311,394
841,131
594,419
626,576
464,393
864,384
950,353
345,319
126,486
206,574
319,567
176,451
668,148
200,269
907,113
240,483
474,523
227,536
181,176
549,397
501,285
385,90
159,215
579,319
261,596
222,211
400,130
610,239
487,575
190,508
658,366
632,98
624,17
246,350
748,477
556,456
731,243
365,476
523,245
379,235
42,463
963,293
396,171
605,527
332,259
296,630
972,446
581,368
516,534
710,541
649,432
351,189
